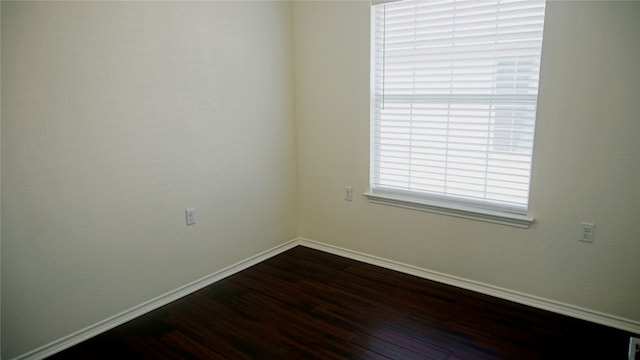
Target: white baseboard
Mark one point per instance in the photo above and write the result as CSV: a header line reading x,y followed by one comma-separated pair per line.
x,y
518,297
164,299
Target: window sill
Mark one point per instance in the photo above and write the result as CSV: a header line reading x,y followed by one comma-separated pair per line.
x,y
466,212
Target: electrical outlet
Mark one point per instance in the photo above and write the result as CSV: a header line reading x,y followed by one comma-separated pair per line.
x,y
634,348
348,193
191,216
587,232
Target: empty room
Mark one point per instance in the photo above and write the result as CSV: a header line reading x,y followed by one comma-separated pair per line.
x,y
446,179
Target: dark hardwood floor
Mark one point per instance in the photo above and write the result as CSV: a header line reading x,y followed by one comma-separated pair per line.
x,y
307,304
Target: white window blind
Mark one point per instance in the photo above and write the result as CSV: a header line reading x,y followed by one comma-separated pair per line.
x,y
454,94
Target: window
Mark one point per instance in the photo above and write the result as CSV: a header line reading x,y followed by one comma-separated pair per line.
x,y
454,89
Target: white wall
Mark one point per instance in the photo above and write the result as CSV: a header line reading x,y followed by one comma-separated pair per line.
x,y
116,116
586,165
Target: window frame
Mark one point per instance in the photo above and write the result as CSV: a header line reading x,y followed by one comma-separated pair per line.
x,y
451,205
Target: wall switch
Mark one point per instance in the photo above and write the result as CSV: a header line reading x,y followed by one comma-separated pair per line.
x,y
587,232
191,216
634,348
348,193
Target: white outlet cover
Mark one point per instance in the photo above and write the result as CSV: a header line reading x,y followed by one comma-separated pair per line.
x,y
348,193
587,232
190,216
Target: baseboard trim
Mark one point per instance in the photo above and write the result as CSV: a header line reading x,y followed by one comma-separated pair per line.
x,y
164,299
518,297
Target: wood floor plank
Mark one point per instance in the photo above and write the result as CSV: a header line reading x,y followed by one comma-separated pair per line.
x,y
393,350
307,304
189,347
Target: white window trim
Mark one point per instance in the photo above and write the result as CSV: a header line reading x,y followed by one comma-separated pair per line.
x,y
461,211
495,213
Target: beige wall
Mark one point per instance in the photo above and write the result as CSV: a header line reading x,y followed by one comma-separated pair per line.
x,y
116,117
0,184
586,165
